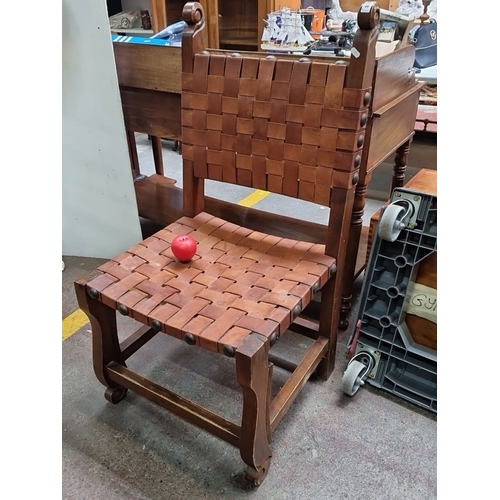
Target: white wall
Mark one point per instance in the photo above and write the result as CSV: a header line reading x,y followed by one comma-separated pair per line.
x,y
99,210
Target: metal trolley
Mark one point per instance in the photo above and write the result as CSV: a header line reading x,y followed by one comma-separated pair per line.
x,y
382,350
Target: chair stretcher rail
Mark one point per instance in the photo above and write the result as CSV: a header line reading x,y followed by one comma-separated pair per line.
x,y
297,380
193,413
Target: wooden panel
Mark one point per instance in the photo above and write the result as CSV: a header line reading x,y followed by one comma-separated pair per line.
x,y
391,129
238,23
158,14
148,66
153,113
424,331
275,5
393,76
263,8
425,180
211,9
354,5
174,10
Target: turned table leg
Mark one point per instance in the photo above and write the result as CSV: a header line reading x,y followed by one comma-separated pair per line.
x,y
157,154
400,162
352,252
132,151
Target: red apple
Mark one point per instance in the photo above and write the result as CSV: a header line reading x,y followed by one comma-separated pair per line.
x,y
183,247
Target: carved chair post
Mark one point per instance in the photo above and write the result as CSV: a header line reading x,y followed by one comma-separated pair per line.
x,y
255,384
105,344
361,73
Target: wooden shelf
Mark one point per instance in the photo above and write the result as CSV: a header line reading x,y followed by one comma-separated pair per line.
x,y
159,200
242,40
133,31
354,5
237,47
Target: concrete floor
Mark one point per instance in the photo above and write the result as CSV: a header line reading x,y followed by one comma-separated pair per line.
x,y
328,446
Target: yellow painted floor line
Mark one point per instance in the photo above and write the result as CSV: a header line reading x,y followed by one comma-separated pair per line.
x,y
253,198
72,323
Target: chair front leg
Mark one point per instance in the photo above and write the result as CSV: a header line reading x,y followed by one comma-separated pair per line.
x,y
253,373
105,344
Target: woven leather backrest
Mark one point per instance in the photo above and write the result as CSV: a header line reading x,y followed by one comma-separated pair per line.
x,y
280,125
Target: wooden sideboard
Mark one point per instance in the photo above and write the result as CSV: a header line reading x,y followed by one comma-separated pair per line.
x,y
150,85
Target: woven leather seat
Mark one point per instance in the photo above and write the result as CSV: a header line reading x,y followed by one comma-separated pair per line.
x,y
292,127
239,282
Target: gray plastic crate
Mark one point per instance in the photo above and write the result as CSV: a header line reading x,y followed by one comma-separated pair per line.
x,y
402,367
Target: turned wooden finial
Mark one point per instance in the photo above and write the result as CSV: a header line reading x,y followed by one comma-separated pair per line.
x,y
194,36
362,62
424,18
192,13
368,15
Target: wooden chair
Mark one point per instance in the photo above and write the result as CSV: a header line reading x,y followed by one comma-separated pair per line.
x,y
290,126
